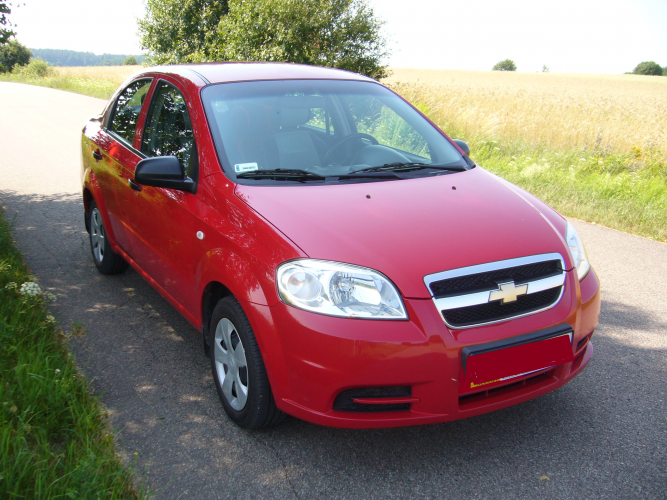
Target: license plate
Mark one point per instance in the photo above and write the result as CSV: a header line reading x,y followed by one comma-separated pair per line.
x,y
491,364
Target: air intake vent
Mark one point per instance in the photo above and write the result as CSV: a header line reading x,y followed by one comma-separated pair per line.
x,y
497,311
345,400
472,283
497,291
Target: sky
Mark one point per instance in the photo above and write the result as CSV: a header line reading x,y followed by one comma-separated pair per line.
x,y
568,36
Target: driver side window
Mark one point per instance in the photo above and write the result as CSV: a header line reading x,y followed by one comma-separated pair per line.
x,y
168,130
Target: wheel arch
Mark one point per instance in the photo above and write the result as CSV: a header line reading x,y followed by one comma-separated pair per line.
x,y
87,199
213,293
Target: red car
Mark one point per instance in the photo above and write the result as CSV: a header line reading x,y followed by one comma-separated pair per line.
x,y
345,261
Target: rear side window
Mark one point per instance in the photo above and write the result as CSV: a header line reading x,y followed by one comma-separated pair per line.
x,y
127,109
168,127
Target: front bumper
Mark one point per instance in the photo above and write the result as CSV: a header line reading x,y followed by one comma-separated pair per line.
x,y
312,358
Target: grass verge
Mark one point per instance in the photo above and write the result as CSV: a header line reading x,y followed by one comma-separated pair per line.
x,y
93,81
102,88
54,438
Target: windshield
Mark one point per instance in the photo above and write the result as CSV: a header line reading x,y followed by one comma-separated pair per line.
x,y
322,131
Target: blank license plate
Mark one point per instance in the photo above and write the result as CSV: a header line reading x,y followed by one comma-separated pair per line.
x,y
494,366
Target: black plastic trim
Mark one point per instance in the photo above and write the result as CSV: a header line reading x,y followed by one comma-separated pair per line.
x,y
547,333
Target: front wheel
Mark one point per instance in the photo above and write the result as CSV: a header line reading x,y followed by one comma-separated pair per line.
x,y
238,369
105,259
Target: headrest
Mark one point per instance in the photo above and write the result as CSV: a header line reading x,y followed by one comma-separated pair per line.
x,y
292,117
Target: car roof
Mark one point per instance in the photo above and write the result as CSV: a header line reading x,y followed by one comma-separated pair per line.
x,y
249,71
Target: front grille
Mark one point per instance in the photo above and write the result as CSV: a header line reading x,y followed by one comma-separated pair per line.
x,y
489,280
345,400
497,311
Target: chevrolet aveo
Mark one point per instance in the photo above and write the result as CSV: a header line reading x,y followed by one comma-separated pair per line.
x,y
345,261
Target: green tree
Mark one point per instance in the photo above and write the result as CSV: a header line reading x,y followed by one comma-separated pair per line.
x,y
174,30
648,68
13,54
130,61
6,31
334,33
506,65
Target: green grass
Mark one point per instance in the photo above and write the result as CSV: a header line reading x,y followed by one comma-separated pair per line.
x,y
93,87
55,441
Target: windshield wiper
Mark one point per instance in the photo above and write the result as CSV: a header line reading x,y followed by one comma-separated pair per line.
x,y
406,167
281,174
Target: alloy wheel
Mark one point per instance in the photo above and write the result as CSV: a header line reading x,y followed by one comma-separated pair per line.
x,y
97,234
231,365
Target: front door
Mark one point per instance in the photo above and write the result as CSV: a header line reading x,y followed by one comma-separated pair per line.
x,y
163,228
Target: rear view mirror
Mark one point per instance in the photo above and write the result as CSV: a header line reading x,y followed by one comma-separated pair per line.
x,y
163,171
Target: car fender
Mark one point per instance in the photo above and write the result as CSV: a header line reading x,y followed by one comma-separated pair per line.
x,y
231,268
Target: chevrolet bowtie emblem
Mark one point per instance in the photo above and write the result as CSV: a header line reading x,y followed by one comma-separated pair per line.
x,y
508,292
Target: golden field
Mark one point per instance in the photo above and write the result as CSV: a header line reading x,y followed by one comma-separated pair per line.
x,y
608,113
116,74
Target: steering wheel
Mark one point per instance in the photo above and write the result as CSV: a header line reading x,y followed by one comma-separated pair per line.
x,y
333,150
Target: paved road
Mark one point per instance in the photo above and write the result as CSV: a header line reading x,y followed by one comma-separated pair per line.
x,y
602,436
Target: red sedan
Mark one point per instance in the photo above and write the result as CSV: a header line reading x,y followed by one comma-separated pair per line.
x,y
345,261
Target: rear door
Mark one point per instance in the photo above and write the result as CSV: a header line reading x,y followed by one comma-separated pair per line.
x,y
116,157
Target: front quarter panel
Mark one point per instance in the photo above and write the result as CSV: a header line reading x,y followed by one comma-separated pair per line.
x,y
243,250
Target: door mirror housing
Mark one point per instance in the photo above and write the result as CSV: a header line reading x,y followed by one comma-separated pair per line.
x,y
463,145
165,172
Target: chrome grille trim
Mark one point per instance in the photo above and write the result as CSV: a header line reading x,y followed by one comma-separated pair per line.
x,y
478,298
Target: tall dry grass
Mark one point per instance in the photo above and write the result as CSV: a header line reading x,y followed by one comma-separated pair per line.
x,y
609,113
116,74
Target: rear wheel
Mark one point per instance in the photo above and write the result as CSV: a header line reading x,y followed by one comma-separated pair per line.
x,y
105,259
238,369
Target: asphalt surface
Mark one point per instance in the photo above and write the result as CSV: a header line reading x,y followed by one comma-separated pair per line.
x,y
604,435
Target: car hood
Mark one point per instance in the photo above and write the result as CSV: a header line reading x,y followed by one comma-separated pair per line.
x,y
408,229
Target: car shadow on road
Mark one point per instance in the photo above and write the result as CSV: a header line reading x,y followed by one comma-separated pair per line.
x,y
600,435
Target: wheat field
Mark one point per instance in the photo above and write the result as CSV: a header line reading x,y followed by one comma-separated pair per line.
x,y
116,74
607,113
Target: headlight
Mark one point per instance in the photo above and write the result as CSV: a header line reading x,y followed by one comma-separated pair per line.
x,y
337,289
577,251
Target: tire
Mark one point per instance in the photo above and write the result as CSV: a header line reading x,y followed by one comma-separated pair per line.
x,y
238,369
105,259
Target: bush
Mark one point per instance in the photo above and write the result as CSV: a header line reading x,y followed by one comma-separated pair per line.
x,y
341,34
648,68
506,65
130,61
13,54
36,68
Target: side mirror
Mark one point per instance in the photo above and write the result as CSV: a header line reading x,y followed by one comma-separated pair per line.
x,y
463,145
163,171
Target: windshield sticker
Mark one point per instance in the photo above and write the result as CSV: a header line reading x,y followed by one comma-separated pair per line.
x,y
245,167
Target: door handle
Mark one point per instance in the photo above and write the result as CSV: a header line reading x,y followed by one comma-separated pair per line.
x,y
134,185
97,155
